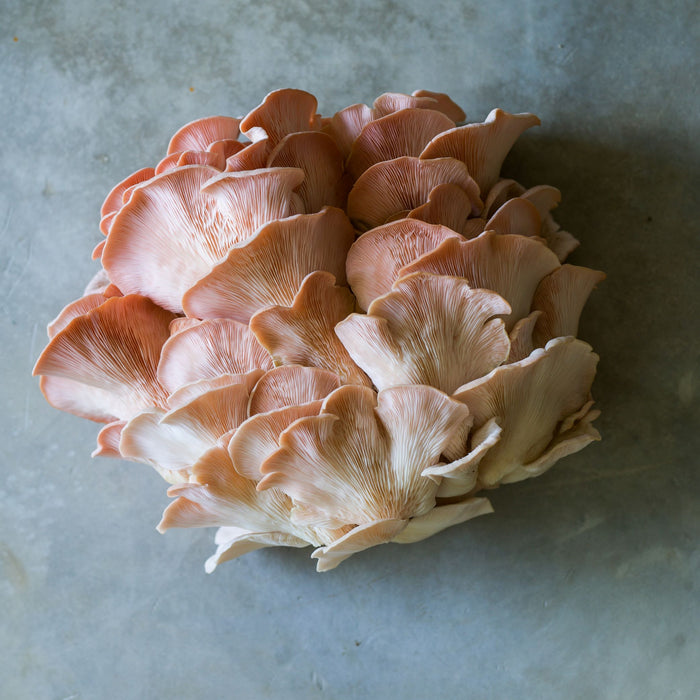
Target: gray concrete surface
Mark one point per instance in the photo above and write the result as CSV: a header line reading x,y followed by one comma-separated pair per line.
x,y
584,584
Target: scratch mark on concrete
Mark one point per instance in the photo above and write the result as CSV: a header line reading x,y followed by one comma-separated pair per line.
x,y
30,388
590,522
22,272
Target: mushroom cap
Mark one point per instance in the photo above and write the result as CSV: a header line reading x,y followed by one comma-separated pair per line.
x,y
269,268
430,329
400,185
530,399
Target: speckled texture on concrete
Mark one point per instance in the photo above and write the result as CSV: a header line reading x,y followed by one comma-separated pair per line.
x,y
584,584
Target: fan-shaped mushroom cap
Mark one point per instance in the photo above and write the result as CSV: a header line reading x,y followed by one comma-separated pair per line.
x,y
442,517
253,156
345,126
175,439
213,160
376,258
219,496
314,152
282,396
108,440
187,393
543,197
102,365
209,349
512,266
459,477
450,206
99,284
233,542
167,163
254,198
431,330
521,340
482,147
402,133
271,266
390,102
443,103
225,148
517,217
358,539
501,191
291,385
114,200
304,334
529,399
174,229
201,133
361,460
282,112
76,308
258,437
403,184
561,296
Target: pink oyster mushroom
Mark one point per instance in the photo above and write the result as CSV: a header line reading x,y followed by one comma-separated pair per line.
x,y
335,331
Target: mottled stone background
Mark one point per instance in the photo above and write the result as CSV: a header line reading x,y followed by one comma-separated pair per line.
x,y
584,584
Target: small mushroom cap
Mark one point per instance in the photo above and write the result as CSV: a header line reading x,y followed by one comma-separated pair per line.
x,y
431,330
517,217
450,206
499,193
102,364
521,337
402,133
317,155
114,200
304,334
511,266
233,542
529,399
258,437
376,258
253,156
201,133
442,517
291,385
270,267
167,236
443,103
361,459
108,440
561,296
482,147
459,477
402,184
345,126
358,539
210,349
213,160
282,112
176,439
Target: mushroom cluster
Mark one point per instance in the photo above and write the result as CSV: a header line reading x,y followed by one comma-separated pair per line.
x,y
335,332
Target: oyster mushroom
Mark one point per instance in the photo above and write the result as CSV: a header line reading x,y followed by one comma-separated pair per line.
x,y
334,334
